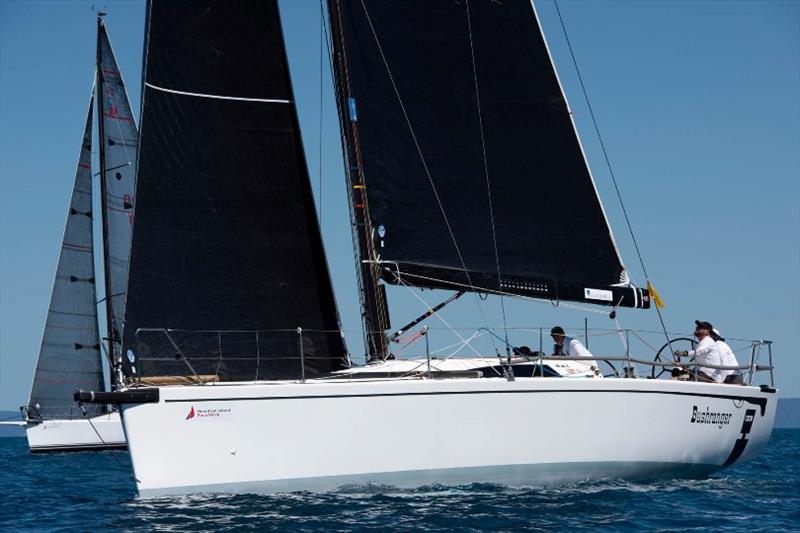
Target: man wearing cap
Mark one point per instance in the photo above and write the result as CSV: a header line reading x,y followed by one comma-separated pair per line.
x,y
569,346
706,353
730,377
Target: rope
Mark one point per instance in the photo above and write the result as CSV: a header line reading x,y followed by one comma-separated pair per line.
x,y
608,164
437,315
443,321
424,162
486,173
88,419
321,74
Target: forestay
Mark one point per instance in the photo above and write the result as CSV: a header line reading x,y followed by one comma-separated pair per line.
x,y
483,190
69,357
118,170
225,235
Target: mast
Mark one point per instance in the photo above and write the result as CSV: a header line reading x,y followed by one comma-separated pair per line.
x,y
101,135
372,294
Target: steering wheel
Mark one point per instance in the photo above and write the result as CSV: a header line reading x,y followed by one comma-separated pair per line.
x,y
674,344
613,369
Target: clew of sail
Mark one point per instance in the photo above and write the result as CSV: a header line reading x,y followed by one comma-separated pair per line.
x,y
118,153
69,356
225,235
485,190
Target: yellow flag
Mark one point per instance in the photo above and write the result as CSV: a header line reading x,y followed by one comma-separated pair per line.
x,y
654,295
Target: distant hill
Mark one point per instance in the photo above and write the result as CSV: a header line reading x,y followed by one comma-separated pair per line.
x,y
788,415
11,431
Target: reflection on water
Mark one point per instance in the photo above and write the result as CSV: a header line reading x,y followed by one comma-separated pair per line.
x,y
93,491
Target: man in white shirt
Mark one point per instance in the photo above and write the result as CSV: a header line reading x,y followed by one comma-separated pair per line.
x,y
705,353
728,358
569,346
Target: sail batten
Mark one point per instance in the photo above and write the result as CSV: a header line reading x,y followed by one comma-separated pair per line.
x,y
470,158
225,238
71,324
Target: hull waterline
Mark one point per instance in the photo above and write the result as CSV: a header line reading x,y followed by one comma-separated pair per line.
x,y
285,436
78,434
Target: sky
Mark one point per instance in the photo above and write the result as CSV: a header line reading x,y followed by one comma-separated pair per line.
x,y
698,104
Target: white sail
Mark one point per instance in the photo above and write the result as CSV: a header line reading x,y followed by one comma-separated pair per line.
x,y
118,167
70,356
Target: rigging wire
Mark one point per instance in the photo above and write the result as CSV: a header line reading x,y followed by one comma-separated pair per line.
x,y
321,74
437,315
451,328
88,419
608,162
486,174
423,161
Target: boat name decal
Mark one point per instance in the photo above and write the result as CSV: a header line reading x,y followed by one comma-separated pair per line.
x,y
709,417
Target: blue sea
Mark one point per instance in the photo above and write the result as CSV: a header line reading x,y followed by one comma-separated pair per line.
x,y
94,492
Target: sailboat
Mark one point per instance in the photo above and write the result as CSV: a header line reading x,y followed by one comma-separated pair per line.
x,y
237,375
71,353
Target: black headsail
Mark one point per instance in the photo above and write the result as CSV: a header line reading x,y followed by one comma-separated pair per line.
x,y
225,235
484,192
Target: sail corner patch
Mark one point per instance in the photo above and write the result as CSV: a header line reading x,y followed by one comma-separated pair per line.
x,y
598,294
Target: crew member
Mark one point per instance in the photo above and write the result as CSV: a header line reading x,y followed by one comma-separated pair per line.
x,y
706,353
726,355
571,347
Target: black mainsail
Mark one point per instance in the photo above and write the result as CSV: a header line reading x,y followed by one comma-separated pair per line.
x,y
225,235
69,356
485,190
118,153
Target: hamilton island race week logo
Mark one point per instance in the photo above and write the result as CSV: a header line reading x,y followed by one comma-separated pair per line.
x,y
208,412
710,417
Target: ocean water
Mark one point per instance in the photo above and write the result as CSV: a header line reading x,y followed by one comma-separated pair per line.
x,y
94,492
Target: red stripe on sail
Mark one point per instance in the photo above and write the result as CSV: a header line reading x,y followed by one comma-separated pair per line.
x,y
117,117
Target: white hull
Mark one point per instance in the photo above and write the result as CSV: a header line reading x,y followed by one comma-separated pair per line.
x,y
319,435
76,434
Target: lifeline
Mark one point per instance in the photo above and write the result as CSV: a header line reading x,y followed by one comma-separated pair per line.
x,y
706,417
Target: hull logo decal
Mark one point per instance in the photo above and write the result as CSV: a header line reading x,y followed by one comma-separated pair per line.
x,y
741,442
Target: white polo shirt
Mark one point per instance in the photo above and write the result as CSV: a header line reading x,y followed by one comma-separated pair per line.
x,y
728,359
575,348
707,353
